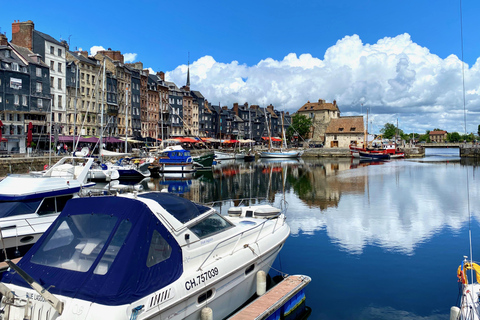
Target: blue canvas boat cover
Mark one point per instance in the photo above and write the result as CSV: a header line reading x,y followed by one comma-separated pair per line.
x,y
130,276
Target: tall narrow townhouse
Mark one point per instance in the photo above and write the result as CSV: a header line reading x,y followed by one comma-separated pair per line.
x,y
114,62
135,102
165,118
53,53
139,91
153,108
86,92
175,105
23,89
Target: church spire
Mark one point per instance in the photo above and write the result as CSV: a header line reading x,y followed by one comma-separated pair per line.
x,y
188,71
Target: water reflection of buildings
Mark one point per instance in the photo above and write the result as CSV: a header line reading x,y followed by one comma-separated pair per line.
x,y
325,190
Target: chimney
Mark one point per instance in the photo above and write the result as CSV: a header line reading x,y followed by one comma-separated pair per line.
x,y
65,44
83,53
321,101
161,74
3,40
22,33
335,103
270,107
114,55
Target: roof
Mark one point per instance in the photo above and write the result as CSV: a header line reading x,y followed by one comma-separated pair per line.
x,y
438,132
28,55
319,106
198,95
81,57
347,125
48,38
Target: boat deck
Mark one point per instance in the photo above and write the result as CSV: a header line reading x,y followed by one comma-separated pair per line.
x,y
272,300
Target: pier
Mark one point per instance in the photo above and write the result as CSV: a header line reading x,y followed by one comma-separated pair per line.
x,y
285,298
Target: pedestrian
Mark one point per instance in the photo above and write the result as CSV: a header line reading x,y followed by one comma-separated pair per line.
x,y
58,149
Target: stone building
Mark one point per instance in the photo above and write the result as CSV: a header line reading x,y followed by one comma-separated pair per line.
x,y
345,131
84,97
438,136
321,113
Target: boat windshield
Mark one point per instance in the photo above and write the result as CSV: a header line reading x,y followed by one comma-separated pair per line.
x,y
209,226
76,241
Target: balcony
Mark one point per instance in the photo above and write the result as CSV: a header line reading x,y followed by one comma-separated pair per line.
x,y
112,110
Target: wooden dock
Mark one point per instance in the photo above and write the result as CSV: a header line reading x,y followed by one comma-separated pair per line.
x,y
271,301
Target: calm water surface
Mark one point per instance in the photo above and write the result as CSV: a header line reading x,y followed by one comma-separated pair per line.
x,y
380,240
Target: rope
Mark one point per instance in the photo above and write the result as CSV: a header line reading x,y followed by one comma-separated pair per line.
x,y
135,312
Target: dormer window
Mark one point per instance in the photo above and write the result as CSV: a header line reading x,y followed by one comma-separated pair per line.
x,y
7,53
340,129
15,66
353,129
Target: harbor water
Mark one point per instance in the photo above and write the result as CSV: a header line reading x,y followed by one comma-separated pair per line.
x,y
380,240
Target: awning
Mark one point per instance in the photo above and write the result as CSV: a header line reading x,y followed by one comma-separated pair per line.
x,y
186,139
131,140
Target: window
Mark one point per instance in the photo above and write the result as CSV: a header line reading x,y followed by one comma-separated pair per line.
x,y
16,100
53,101
7,53
59,83
59,52
15,66
52,50
52,65
59,67
59,102
39,103
39,72
212,224
71,249
88,78
24,100
113,248
159,250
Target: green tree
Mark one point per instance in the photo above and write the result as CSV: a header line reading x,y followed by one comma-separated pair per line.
x,y
454,137
301,125
389,131
478,130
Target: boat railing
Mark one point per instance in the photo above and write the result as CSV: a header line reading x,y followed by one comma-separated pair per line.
x,y
241,235
228,203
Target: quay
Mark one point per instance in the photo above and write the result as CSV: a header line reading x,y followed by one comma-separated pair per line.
x,y
283,300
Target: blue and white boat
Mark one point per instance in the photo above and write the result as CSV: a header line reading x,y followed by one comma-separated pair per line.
x,y
174,159
29,203
141,256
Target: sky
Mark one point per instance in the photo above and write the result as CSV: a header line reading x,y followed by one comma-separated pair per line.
x,y
399,59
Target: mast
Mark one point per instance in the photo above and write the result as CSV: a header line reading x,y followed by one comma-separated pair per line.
x,y
74,146
268,131
126,119
100,149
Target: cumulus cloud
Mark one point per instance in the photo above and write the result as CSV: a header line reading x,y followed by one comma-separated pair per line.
x,y
395,78
95,49
151,71
129,57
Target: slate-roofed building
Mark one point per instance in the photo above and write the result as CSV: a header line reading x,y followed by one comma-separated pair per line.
x,y
321,113
39,96
175,101
345,131
53,53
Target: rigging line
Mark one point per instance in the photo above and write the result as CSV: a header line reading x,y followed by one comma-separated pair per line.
x,y
465,128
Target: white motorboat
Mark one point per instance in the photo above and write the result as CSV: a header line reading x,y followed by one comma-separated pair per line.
x,y
219,155
140,256
29,203
281,154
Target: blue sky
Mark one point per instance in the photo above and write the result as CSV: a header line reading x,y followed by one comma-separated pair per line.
x,y
394,57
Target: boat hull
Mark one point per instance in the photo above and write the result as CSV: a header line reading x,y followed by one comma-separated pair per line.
x,y
289,154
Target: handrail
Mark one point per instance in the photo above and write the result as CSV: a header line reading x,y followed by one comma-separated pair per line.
x,y
260,225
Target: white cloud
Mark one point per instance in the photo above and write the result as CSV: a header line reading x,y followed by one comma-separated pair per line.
x,y
95,49
394,78
129,57
151,71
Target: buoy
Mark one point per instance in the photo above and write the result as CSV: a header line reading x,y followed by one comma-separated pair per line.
x,y
206,314
454,313
261,283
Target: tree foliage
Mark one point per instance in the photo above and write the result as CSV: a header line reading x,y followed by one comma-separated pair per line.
x,y
454,137
301,125
390,130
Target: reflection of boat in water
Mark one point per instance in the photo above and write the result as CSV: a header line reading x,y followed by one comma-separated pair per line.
x,y
142,256
177,182
281,160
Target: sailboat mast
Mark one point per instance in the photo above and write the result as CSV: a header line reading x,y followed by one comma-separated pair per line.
x,y
126,118
74,146
100,149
